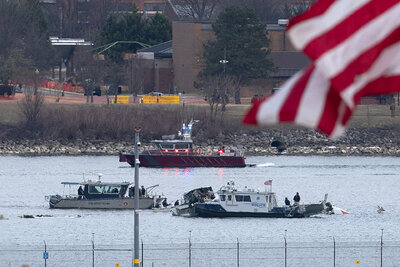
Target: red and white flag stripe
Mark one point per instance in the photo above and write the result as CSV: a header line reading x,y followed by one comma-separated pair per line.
x,y
307,99
355,47
347,38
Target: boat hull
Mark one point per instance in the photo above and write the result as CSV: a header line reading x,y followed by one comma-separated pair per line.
x,y
183,161
121,203
208,210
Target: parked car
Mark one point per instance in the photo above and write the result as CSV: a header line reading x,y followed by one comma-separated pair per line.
x,y
257,98
156,94
97,91
113,89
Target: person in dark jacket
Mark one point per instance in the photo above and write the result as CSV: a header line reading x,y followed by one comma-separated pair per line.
x,y
296,199
143,191
80,192
131,191
287,201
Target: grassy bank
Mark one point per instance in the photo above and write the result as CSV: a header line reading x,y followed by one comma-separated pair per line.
x,y
116,122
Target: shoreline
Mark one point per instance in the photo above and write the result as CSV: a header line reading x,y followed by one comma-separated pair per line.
x,y
108,148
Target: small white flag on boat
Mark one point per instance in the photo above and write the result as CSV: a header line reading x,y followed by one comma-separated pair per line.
x,y
268,182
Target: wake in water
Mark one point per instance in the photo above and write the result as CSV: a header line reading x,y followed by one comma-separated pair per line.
x,y
267,164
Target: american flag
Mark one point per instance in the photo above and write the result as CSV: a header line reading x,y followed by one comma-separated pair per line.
x,y
268,182
354,46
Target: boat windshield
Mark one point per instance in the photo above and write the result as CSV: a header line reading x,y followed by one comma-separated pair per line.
x,y
182,145
104,189
166,146
172,145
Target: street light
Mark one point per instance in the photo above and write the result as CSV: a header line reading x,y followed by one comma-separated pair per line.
x,y
36,81
223,62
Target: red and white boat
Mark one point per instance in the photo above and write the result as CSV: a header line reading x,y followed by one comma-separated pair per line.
x,y
171,152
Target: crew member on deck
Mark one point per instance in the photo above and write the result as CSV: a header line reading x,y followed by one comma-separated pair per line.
x,y
143,191
131,191
296,199
80,192
287,201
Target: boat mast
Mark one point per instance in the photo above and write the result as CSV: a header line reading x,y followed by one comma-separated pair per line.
x,y
187,130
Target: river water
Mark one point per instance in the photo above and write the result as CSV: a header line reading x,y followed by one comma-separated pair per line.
x,y
356,184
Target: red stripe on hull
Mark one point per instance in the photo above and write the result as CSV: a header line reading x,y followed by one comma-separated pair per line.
x,y
183,161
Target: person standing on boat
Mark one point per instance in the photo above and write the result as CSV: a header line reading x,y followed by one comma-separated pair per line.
x,y
131,191
296,199
287,201
80,192
143,191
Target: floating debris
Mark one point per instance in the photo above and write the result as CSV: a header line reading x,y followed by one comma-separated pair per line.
x,y
2,217
380,209
27,216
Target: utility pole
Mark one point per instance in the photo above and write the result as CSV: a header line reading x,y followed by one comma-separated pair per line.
x,y
61,35
136,260
225,96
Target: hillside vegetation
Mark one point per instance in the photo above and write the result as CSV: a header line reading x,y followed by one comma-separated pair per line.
x,y
117,122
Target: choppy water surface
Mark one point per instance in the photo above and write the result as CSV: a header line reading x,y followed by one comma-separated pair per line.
x,y
356,184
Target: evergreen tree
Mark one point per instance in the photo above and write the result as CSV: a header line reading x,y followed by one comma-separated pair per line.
x,y
158,30
241,41
132,32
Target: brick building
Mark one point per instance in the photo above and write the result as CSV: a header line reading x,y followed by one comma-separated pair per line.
x,y
156,62
187,44
188,61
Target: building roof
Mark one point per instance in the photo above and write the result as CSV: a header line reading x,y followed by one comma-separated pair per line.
x,y
288,62
163,50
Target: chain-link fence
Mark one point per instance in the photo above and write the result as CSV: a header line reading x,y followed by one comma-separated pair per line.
x,y
190,254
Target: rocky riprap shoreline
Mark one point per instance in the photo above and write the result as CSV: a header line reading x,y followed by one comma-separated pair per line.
x,y
291,142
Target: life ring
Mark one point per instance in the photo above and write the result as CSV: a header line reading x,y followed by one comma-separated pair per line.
x,y
198,151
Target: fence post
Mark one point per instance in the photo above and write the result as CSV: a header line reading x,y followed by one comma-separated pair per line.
x,y
285,249
238,253
190,253
334,252
93,249
142,255
45,251
190,249
382,248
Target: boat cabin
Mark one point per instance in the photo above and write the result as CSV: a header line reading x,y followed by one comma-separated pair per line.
x,y
250,199
97,189
170,147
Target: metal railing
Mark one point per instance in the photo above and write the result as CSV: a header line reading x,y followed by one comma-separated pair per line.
x,y
365,253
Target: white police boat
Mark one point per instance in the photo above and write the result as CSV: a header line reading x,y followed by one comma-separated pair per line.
x,y
252,203
102,195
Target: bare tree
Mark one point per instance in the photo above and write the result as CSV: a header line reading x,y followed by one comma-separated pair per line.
x,y
271,10
196,10
217,91
79,19
135,76
31,107
89,70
